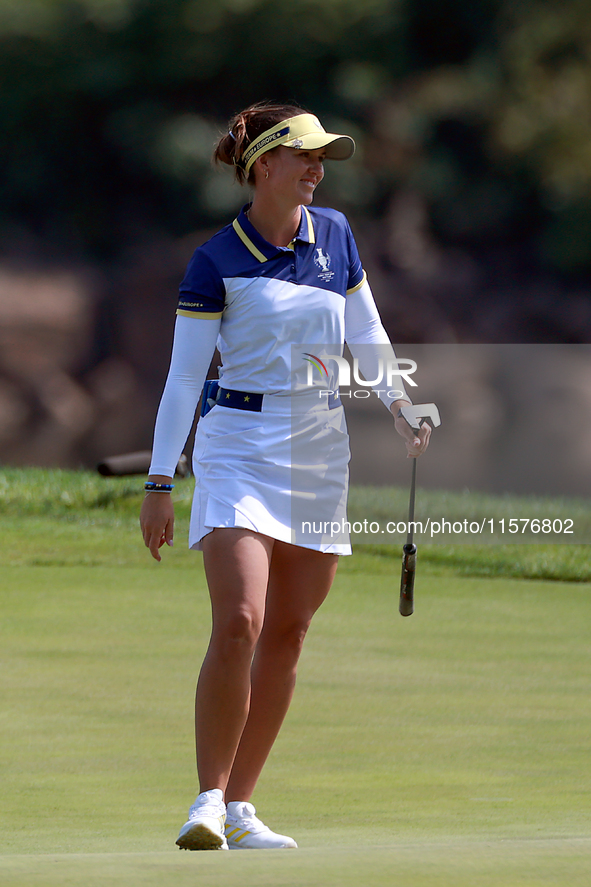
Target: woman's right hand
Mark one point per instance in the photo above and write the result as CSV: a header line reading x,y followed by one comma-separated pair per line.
x,y
157,521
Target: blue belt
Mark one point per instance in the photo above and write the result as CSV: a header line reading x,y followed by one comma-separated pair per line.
x,y
241,400
238,400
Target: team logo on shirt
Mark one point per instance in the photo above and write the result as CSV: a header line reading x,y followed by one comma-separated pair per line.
x,y
322,261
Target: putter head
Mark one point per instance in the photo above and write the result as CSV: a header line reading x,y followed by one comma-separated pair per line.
x,y
415,414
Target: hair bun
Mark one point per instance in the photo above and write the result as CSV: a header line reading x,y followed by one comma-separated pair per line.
x,y
246,126
226,149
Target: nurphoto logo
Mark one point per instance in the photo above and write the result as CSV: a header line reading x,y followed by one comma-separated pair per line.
x,y
390,372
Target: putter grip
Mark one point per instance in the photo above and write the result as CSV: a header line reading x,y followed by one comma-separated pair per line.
x,y
407,580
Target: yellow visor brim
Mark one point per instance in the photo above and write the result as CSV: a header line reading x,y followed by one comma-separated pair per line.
x,y
304,133
337,147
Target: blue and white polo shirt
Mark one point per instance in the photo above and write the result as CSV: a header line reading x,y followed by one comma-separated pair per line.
x,y
270,298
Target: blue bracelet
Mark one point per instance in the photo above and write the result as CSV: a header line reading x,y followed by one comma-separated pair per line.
x,y
151,487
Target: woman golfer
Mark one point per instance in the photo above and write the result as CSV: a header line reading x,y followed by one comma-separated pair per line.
x,y
273,290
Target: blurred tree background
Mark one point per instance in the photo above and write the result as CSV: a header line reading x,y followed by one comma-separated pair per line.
x,y
470,193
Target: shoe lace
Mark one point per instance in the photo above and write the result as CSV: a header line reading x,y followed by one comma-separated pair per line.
x,y
245,814
206,809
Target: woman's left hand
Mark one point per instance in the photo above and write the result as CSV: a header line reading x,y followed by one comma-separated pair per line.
x,y
416,442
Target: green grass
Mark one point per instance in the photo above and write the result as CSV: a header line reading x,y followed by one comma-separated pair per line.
x,y
53,518
562,863
445,750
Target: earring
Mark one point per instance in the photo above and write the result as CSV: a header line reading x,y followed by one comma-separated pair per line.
x,y
266,173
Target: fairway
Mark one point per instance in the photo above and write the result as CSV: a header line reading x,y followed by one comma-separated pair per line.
x,y
451,748
556,863
436,750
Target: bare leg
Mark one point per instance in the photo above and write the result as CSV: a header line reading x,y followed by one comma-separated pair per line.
x,y
299,581
237,568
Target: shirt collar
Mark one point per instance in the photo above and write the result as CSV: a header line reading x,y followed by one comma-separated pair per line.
x,y
306,229
261,248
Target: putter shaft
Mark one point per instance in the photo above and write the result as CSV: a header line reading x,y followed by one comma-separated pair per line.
x,y
409,554
411,504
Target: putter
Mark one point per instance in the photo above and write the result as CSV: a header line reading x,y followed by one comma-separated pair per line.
x,y
415,416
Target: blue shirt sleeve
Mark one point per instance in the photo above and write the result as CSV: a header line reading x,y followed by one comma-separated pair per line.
x,y
356,272
202,291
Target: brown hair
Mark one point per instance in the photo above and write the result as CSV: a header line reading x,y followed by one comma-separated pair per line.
x,y
247,126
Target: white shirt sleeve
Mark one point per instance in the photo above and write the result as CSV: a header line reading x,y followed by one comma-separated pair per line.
x,y
363,327
193,347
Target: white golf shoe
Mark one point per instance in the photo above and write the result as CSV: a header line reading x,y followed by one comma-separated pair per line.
x,y
204,830
244,831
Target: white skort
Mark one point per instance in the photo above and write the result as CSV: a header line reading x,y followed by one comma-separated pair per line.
x,y
282,472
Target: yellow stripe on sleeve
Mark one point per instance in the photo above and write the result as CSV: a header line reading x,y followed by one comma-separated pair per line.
x,y
201,315
359,285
